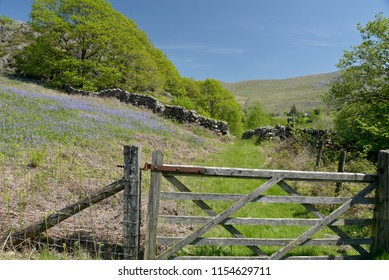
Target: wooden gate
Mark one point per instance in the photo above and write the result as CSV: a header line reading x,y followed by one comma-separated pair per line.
x,y
333,219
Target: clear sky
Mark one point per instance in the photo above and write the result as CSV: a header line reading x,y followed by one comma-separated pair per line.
x,y
235,40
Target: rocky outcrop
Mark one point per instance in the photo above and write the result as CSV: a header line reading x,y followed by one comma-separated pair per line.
x,y
14,36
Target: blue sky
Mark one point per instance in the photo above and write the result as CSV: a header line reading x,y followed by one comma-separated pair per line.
x,y
235,40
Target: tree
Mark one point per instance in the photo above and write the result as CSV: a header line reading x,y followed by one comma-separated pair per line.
x,y
89,45
256,116
361,93
219,103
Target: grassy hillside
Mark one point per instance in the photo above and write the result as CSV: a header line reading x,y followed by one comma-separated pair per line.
x,y
278,96
55,149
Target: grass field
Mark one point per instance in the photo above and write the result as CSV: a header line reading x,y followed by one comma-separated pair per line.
x,y
278,96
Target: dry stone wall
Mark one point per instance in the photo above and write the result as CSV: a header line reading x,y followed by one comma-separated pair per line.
x,y
177,113
268,132
284,132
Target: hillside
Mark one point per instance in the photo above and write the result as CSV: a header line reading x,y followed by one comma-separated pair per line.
x,y
57,148
278,96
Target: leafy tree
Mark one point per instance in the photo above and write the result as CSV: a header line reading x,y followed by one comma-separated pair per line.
x,y
185,102
89,45
256,116
209,98
219,103
361,92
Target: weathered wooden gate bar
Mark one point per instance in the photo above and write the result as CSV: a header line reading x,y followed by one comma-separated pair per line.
x,y
263,198
188,170
263,221
267,241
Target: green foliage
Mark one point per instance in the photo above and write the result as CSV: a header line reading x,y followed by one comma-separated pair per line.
x,y
192,91
209,98
5,20
184,101
256,116
361,93
87,44
219,103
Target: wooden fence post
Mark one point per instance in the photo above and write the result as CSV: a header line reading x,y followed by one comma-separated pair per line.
x,y
153,208
132,192
381,211
342,162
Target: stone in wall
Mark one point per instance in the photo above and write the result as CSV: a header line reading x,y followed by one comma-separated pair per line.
x,y
73,91
284,132
268,132
146,101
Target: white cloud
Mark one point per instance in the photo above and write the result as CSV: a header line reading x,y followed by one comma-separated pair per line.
x,y
314,43
251,25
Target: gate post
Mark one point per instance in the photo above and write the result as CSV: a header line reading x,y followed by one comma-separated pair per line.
x,y
132,192
381,211
153,208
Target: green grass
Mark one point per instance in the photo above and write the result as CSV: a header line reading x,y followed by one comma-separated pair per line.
x,y
278,96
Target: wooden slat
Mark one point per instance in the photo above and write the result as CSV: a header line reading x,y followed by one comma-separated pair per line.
x,y
359,257
262,198
219,218
153,208
267,174
322,223
210,212
262,221
265,241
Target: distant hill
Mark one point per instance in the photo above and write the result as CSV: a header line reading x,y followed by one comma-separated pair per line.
x,y
278,96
